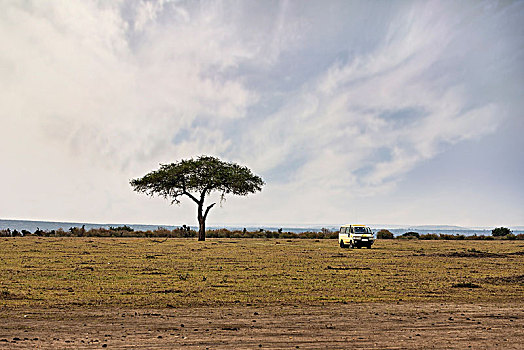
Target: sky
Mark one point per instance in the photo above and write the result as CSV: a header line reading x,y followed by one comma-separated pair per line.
x,y
391,112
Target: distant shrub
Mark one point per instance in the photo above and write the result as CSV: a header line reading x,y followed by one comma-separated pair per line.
x,y
500,231
60,233
121,228
331,235
222,233
384,234
309,235
510,236
290,235
102,232
76,231
429,236
39,232
411,235
161,232
520,236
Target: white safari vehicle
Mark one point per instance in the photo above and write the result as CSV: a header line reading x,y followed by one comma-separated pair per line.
x,y
355,236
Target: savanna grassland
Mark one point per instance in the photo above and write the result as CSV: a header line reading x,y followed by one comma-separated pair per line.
x,y
49,272
230,281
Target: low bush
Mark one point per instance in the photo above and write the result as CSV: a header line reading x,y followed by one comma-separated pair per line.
x,y
429,236
510,236
410,235
121,228
479,238
384,234
451,237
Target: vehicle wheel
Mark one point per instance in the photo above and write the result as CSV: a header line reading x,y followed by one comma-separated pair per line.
x,y
342,245
359,246
369,246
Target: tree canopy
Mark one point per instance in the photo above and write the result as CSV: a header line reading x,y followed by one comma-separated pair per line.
x,y
197,178
500,231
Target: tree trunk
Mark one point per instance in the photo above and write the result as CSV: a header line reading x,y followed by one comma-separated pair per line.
x,y
201,225
201,230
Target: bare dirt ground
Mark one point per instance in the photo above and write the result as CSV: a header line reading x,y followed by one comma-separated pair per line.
x,y
333,326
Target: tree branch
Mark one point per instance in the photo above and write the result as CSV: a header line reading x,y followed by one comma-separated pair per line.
x,y
191,196
208,209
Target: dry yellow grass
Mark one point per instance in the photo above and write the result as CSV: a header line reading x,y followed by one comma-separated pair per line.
x,y
140,272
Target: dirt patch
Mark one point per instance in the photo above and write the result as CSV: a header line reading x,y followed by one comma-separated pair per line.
x,y
472,253
347,268
331,326
465,285
516,279
7,295
517,253
169,291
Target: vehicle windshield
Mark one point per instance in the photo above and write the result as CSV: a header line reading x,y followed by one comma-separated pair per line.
x,y
360,229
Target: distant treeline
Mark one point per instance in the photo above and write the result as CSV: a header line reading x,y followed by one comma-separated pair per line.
x,y
498,233
182,232
187,232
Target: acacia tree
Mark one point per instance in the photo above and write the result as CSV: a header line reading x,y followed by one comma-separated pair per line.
x,y
197,178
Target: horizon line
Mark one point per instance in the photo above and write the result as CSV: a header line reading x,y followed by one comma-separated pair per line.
x,y
279,225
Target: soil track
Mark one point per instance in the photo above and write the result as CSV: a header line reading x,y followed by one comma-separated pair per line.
x,y
334,326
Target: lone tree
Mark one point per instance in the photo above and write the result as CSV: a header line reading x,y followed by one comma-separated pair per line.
x,y
500,231
196,178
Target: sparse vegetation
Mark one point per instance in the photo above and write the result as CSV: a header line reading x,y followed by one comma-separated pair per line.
x,y
186,232
151,272
182,232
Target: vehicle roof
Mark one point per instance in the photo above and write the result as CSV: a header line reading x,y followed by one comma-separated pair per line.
x,y
353,225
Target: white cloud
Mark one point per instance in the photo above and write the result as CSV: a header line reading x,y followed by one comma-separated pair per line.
x,y
95,93
106,99
75,88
